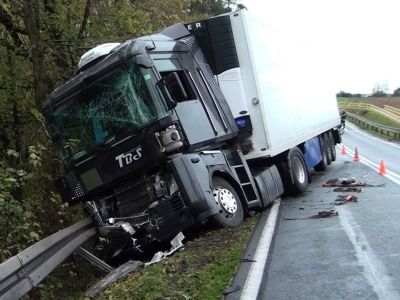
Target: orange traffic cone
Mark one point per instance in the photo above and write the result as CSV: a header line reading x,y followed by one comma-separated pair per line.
x,y
382,168
356,158
343,150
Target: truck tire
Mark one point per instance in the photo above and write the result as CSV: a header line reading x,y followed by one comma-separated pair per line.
x,y
332,144
299,173
328,147
323,164
230,207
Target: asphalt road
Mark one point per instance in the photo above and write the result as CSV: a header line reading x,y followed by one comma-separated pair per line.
x,y
372,148
352,255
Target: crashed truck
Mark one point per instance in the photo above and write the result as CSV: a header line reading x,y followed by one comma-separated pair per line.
x,y
168,131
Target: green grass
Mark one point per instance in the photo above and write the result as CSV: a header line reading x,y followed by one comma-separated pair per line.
x,y
380,119
201,271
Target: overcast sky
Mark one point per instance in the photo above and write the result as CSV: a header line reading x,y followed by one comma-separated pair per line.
x,y
355,44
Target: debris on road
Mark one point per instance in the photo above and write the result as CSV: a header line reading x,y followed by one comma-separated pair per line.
x,y
343,199
320,215
347,189
344,182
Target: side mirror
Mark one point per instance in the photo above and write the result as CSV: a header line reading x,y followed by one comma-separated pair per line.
x,y
161,84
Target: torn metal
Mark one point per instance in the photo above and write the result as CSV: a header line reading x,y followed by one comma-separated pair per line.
x,y
176,244
132,265
112,277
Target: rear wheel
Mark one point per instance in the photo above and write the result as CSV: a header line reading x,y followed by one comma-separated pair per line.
x,y
298,171
323,164
333,148
230,208
328,148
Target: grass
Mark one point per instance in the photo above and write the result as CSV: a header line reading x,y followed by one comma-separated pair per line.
x,y
201,271
380,119
373,116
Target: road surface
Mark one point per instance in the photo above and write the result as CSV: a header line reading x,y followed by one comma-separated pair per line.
x,y
352,255
372,148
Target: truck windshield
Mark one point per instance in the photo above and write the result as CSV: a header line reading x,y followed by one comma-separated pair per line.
x,y
107,111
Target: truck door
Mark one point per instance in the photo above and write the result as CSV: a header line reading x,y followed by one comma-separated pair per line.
x,y
198,112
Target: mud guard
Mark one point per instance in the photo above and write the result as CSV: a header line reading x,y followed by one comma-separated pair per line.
x,y
191,172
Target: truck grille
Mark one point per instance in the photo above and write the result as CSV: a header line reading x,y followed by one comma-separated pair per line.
x,y
130,197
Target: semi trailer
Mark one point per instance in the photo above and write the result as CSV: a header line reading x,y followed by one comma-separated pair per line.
x,y
168,131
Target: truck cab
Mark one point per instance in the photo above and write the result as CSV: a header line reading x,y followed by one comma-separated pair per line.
x,y
137,129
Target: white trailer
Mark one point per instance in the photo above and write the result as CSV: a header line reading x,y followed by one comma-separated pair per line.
x,y
280,89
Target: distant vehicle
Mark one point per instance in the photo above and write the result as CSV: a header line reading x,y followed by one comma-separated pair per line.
x,y
170,130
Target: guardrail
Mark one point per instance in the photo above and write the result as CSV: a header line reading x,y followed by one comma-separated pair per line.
x,y
391,109
367,106
24,271
390,132
354,105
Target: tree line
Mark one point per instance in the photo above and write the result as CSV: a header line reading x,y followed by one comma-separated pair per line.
x,y
41,42
376,92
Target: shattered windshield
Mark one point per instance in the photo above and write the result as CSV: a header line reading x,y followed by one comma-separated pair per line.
x,y
107,112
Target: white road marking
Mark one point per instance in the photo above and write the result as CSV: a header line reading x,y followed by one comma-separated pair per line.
x,y
389,174
373,270
253,281
356,129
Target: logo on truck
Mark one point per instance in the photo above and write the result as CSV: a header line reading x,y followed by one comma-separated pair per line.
x,y
129,157
193,26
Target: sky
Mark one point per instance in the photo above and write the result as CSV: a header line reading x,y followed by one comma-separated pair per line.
x,y
353,45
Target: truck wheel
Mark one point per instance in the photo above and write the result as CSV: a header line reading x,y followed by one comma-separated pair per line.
x,y
230,208
323,164
332,144
298,171
328,147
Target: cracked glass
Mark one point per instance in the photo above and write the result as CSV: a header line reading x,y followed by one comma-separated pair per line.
x,y
107,112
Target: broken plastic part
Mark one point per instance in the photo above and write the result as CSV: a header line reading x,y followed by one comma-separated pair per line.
x,y
176,244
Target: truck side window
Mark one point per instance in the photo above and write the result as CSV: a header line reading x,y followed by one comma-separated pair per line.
x,y
177,81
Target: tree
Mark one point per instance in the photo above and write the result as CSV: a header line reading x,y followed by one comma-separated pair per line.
x,y
41,42
396,92
210,7
380,90
344,94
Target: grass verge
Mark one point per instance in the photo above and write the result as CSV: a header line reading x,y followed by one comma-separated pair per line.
x,y
201,271
380,119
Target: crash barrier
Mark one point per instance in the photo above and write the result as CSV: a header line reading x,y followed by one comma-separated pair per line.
x,y
391,109
390,132
24,271
389,113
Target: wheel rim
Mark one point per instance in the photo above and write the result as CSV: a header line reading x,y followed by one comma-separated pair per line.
x,y
225,199
298,170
